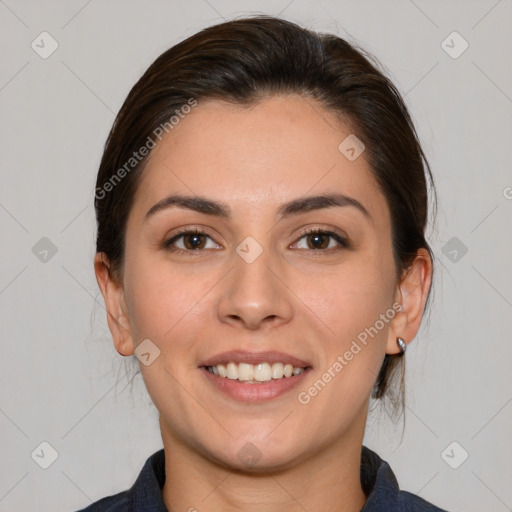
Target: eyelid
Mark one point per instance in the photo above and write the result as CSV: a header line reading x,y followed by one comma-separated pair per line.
x,y
340,238
186,231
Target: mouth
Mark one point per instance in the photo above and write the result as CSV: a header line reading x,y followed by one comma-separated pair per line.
x,y
256,377
255,373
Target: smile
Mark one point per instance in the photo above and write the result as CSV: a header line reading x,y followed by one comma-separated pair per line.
x,y
255,373
254,377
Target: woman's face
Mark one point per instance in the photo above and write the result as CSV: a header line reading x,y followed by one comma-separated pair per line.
x,y
255,281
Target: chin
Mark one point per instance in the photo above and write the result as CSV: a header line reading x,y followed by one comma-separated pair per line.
x,y
256,457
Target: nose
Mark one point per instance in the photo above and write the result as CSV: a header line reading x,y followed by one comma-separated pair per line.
x,y
255,295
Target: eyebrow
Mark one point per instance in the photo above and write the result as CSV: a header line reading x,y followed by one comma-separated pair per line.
x,y
296,206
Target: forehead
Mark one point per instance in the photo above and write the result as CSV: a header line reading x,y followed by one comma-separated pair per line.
x,y
270,152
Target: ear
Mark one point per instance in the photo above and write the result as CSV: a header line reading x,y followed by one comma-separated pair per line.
x,y
412,294
117,314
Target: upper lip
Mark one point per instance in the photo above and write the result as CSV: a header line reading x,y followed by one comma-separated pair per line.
x,y
241,356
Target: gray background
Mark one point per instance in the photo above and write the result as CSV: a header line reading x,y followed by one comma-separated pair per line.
x,y
62,381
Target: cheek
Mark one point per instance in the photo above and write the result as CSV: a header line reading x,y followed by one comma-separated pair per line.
x,y
160,299
165,306
351,299
350,304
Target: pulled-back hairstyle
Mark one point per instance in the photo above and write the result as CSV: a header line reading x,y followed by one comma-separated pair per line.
x,y
244,61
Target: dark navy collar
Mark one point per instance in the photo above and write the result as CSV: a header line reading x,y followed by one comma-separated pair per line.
x,y
377,479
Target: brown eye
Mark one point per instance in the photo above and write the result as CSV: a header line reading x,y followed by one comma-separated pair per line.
x,y
194,241
190,241
317,239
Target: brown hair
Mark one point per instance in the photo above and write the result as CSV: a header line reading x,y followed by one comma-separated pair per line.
x,y
244,61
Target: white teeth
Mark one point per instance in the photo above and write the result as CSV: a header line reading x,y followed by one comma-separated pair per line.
x,y
262,372
277,370
245,371
232,371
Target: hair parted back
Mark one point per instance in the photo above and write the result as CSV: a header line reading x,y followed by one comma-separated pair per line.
x,y
244,61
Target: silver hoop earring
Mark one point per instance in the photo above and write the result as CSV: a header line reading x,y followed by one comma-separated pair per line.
x,y
401,344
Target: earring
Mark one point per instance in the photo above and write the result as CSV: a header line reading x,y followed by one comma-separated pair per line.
x,y
401,343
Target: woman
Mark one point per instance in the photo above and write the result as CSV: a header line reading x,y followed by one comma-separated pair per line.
x,y
261,207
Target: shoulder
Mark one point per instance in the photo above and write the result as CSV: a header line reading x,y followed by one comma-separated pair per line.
x,y
413,503
382,489
116,503
145,494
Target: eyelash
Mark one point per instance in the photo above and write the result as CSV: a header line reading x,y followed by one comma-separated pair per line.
x,y
196,252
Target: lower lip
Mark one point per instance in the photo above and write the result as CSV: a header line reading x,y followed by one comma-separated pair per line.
x,y
256,392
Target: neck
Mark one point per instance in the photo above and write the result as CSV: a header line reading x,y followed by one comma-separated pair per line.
x,y
328,480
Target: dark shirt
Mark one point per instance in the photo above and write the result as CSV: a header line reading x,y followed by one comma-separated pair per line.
x,y
378,482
